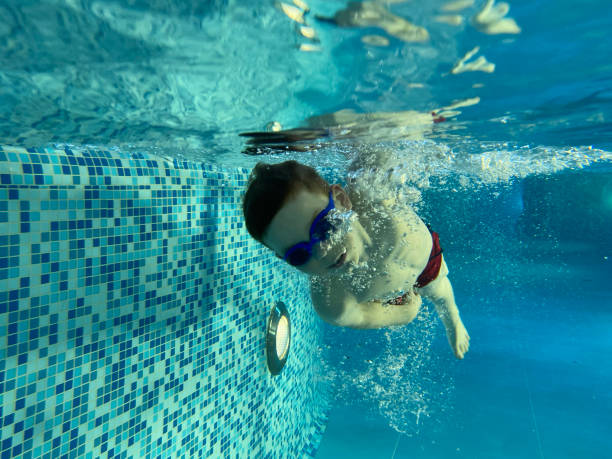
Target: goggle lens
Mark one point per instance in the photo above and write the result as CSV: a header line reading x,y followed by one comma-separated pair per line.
x,y
323,229
320,230
299,257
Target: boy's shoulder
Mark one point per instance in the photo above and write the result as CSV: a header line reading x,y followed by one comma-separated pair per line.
x,y
328,298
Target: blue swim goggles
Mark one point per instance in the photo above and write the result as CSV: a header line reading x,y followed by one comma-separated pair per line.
x,y
320,230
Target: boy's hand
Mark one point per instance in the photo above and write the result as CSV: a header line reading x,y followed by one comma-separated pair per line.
x,y
458,338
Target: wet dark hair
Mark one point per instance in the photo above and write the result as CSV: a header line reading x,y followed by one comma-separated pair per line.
x,y
271,186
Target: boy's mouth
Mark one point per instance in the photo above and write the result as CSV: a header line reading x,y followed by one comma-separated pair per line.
x,y
340,261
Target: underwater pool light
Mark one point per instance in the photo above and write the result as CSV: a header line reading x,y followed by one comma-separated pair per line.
x,y
278,338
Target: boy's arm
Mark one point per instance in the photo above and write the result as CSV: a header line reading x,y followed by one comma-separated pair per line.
x,y
440,292
340,308
370,158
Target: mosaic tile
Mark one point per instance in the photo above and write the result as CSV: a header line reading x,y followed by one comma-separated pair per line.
x,y
133,307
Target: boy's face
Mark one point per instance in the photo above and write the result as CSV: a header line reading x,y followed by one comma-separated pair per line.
x,y
292,223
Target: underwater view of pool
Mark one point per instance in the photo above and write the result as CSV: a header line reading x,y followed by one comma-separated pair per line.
x,y
494,122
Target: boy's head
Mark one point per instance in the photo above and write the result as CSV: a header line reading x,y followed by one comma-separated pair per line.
x,y
281,204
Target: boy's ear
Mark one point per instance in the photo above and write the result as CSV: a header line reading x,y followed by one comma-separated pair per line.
x,y
341,196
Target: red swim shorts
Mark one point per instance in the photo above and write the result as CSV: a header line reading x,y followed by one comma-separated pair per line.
x,y
432,269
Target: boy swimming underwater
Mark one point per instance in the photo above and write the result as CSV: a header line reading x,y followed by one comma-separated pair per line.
x,y
368,266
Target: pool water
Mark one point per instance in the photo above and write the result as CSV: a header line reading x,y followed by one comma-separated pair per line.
x,y
187,77
536,301
517,179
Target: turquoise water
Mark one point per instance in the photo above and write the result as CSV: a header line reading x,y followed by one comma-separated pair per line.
x,y
517,182
532,282
186,77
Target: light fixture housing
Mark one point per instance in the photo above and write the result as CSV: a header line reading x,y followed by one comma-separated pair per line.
x,y
278,338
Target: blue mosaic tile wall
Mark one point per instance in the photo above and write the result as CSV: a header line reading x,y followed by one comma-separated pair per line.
x,y
133,307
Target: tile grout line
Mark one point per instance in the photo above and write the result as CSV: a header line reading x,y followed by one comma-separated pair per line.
x,y
396,445
533,416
